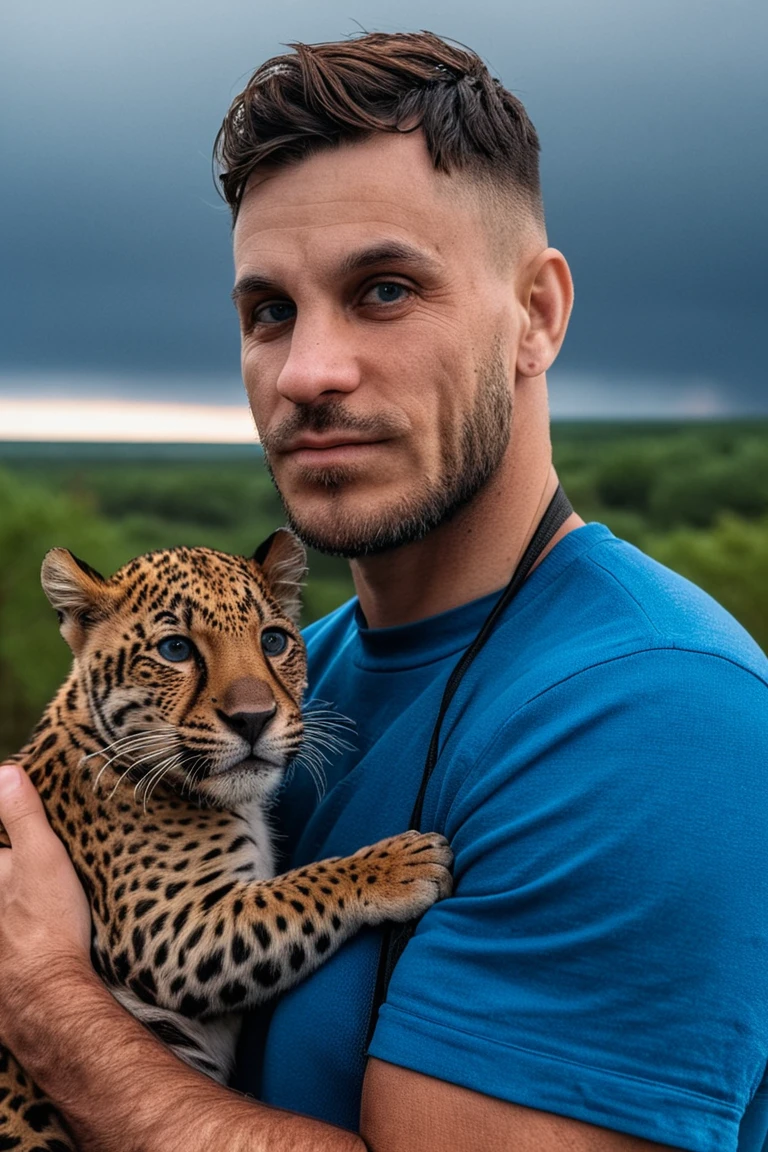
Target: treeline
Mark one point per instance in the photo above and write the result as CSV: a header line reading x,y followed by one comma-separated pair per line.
x,y
693,496
696,497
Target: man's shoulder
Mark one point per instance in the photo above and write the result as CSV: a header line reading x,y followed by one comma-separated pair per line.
x,y
608,600
616,675
605,637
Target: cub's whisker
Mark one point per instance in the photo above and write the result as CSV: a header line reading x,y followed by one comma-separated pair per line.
x,y
131,766
140,746
163,729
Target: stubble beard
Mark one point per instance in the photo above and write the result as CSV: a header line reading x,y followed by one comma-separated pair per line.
x,y
466,468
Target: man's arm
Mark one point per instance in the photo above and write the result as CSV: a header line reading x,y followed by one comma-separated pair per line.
x,y
132,1095
122,1091
403,1111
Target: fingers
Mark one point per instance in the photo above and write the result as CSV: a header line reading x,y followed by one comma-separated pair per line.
x,y
21,809
44,914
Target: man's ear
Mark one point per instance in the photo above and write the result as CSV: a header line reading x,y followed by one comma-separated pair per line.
x,y
76,591
283,561
548,300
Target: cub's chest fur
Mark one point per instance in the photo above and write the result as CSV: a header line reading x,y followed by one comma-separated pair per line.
x,y
156,761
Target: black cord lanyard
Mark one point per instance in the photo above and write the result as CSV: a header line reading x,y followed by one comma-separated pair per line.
x,y
396,936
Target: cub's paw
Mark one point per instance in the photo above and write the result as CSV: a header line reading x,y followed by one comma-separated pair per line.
x,y
399,878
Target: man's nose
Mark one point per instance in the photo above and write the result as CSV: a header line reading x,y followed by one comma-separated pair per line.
x,y
321,360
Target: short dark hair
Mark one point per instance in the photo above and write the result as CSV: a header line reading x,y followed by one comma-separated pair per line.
x,y
322,95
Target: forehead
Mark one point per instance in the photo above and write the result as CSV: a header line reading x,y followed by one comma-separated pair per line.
x,y
382,188
193,587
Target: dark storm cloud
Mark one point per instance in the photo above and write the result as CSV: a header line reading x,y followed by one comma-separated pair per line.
x,y
115,252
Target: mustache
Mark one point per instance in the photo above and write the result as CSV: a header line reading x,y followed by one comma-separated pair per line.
x,y
329,416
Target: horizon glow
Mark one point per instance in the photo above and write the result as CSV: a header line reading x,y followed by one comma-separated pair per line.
x,y
104,420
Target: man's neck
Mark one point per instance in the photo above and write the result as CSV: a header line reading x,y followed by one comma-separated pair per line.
x,y
473,554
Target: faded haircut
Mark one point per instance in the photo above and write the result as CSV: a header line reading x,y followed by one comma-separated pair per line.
x,y
322,95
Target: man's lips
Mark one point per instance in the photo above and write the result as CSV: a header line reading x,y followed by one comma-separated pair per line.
x,y
328,443
331,450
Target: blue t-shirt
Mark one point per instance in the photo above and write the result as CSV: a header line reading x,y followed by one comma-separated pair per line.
x,y
602,781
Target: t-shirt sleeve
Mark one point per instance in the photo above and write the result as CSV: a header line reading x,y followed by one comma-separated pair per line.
x,y
605,953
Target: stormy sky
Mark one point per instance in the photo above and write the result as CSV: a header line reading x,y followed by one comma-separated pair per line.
x,y
115,264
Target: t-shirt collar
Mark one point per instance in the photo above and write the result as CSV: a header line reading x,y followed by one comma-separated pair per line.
x,y
436,637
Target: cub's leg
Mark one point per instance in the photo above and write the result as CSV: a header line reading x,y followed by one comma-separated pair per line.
x,y
28,1120
232,944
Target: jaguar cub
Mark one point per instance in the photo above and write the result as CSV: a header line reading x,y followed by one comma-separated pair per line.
x,y
155,761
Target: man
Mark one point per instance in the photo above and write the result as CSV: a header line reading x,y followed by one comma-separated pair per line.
x,y
599,979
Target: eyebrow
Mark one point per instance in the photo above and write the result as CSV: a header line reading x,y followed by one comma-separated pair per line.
x,y
386,252
250,284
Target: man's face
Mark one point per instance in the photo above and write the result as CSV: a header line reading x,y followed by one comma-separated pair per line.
x,y
377,337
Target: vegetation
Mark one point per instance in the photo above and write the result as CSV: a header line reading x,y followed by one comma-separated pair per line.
x,y
694,496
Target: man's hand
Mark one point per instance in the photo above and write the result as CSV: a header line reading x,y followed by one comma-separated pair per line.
x,y
45,923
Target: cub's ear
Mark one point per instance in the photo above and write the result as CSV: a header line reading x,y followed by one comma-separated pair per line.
x,y
76,591
283,561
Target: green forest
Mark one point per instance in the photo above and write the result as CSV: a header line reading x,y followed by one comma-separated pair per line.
x,y
694,496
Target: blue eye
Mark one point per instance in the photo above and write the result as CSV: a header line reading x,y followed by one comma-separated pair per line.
x,y
274,641
175,649
275,313
386,292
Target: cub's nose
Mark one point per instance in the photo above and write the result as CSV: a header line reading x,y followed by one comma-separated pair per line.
x,y
247,707
249,725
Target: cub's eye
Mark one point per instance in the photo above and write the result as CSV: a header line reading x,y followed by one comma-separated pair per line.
x,y
175,649
274,641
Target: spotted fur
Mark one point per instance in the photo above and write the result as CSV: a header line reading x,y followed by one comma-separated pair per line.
x,y
156,771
